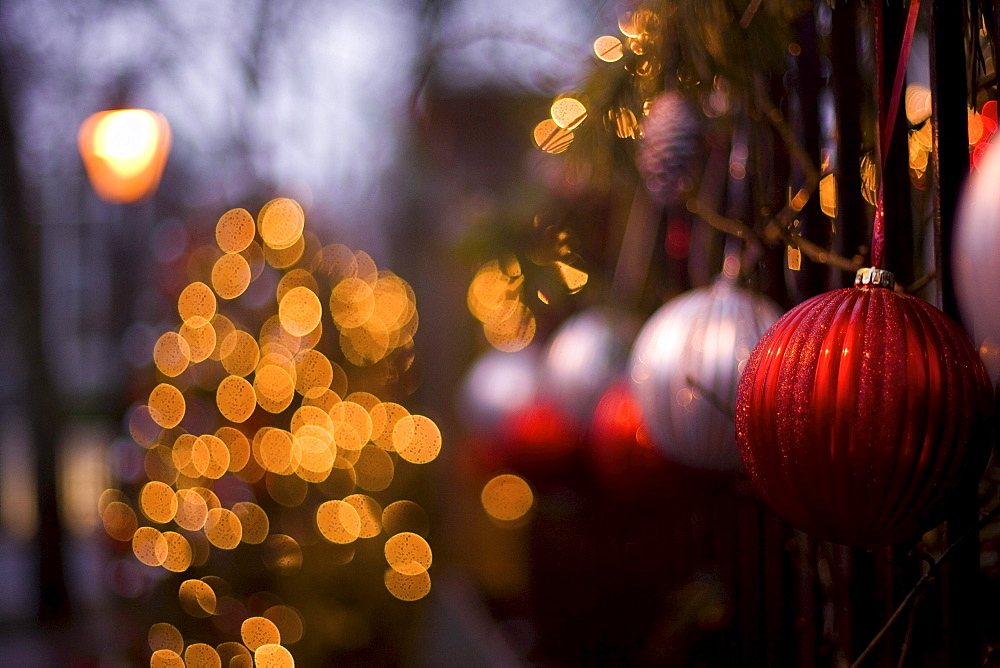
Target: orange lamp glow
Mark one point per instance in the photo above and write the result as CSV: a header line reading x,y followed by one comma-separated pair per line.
x,y
124,153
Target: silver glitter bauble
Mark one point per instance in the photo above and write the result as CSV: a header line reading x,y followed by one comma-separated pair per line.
x,y
686,365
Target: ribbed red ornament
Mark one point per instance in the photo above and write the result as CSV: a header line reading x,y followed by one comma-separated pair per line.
x,y
860,411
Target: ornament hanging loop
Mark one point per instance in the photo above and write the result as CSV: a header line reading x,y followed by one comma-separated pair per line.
x,y
887,118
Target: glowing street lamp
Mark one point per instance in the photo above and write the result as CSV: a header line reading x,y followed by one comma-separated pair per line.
x,y
124,152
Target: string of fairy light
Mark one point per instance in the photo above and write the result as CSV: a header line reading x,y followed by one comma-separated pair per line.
x,y
287,427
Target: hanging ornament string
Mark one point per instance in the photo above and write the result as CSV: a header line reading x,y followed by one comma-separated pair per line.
x,y
887,121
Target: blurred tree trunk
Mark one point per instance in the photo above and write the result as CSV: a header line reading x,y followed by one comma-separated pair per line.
x,y
43,405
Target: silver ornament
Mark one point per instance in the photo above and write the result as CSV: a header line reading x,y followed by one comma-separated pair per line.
x,y
686,365
585,354
975,253
497,386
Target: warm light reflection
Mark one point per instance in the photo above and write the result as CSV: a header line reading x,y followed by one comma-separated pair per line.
x,y
288,621
407,587
338,522
507,497
417,439
234,231
119,521
179,552
124,153
568,112
574,278
166,658
828,195
166,405
280,222
158,502
200,654
258,631
149,546
273,656
917,103
230,275
408,553
197,598
551,138
223,528
282,554
608,48
165,636
369,512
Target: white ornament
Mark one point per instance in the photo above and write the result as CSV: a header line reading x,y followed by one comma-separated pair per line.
x,y
686,365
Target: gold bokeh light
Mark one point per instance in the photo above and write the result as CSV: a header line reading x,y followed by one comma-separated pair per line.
x,y
507,497
568,112
165,636
608,48
408,553
316,431
258,631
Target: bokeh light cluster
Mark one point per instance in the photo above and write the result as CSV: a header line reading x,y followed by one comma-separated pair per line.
x,y
917,102
636,50
286,434
496,298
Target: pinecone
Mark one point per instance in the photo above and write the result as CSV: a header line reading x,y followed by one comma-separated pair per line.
x,y
670,147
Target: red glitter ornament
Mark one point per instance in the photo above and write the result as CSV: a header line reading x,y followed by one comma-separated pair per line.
x,y
860,411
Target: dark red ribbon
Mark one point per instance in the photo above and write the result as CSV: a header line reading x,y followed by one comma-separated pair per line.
x,y
887,121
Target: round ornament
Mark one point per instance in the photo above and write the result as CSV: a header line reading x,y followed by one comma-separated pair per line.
x,y
670,147
686,364
497,385
623,457
860,410
975,251
584,355
537,438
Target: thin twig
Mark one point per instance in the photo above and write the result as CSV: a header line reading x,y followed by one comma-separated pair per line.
x,y
781,225
749,14
924,580
919,283
910,625
713,399
817,253
737,228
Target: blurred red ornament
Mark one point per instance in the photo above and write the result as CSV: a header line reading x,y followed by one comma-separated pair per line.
x,y
621,452
860,411
538,437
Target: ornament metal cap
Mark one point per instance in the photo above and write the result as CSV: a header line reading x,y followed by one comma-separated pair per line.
x,y
872,276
